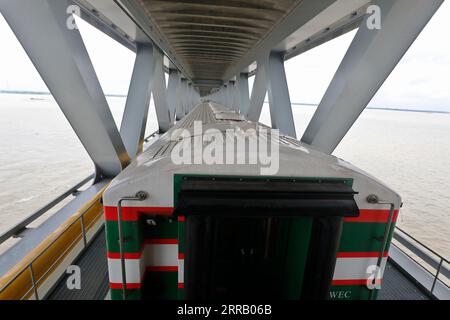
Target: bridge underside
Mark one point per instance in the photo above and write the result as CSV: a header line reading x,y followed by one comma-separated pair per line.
x,y
210,36
212,42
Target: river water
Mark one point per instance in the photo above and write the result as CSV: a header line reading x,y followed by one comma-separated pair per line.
x,y
40,157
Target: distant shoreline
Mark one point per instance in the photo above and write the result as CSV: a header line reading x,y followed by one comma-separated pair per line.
x,y
43,93
293,103
381,108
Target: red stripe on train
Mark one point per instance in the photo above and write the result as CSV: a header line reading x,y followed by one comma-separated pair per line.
x,y
129,285
161,241
133,213
380,216
353,282
116,255
162,268
360,254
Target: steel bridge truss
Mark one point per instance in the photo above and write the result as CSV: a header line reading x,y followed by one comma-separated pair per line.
x,y
64,64
209,50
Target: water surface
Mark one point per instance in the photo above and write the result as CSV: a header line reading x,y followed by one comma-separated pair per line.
x,y
40,157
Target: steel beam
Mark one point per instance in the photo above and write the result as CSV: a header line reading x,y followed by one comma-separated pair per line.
x,y
196,97
221,95
174,80
270,75
236,98
142,23
224,96
160,92
216,96
180,99
231,95
135,115
61,58
259,90
370,59
233,99
279,100
193,97
297,17
244,95
122,30
227,95
185,97
190,97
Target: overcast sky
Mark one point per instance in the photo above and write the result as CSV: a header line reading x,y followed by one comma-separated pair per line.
x,y
420,81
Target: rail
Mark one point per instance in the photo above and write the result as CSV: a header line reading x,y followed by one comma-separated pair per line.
x,y
146,140
26,281
428,259
21,226
28,270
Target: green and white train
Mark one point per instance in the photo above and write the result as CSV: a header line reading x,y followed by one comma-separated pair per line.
x,y
317,229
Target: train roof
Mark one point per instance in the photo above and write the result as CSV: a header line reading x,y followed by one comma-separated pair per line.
x,y
154,169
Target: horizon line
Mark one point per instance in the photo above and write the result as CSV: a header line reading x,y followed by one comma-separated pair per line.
x,y
266,102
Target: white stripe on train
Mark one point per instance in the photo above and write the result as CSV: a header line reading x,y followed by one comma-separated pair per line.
x,y
155,255
166,255
356,268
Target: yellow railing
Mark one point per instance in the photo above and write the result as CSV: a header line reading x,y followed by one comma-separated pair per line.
x,y
27,279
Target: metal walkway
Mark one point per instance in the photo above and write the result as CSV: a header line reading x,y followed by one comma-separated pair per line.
x,y
94,274
94,270
397,286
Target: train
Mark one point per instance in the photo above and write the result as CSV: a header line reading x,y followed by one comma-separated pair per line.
x,y
199,215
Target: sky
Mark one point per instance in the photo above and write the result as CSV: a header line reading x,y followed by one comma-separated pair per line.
x,y
420,81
